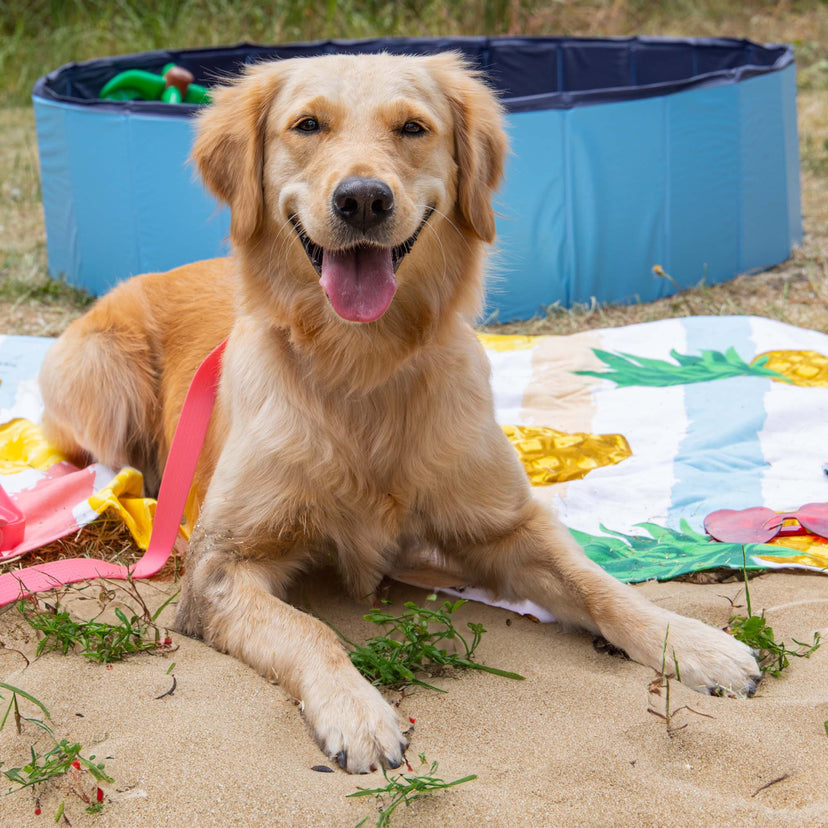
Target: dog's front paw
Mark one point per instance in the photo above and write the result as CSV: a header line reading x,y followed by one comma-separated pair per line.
x,y
354,725
709,660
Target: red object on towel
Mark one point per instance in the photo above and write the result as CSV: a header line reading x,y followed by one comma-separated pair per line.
x,y
760,524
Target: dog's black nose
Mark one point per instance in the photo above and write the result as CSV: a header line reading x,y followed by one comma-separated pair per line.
x,y
363,202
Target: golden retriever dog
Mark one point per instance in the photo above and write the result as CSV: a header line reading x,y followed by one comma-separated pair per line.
x,y
354,416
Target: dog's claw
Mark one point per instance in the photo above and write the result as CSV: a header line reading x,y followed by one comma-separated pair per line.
x,y
355,725
751,685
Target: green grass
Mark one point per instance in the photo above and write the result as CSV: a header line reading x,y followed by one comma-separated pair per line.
x,y
37,36
14,705
63,757
402,789
41,289
135,631
55,762
416,642
662,681
96,640
755,631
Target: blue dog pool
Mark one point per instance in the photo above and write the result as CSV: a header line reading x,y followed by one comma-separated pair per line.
x,y
627,153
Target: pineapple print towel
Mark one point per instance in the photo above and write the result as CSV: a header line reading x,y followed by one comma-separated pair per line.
x,y
632,435
682,417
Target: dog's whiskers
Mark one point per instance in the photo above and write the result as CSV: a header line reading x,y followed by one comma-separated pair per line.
x,y
283,237
429,226
454,227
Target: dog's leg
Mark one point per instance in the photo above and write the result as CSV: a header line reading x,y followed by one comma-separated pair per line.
x,y
538,560
229,598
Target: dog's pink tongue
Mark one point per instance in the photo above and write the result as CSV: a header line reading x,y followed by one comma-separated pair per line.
x,y
360,283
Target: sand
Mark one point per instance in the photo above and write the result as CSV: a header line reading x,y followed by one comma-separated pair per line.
x,y
573,744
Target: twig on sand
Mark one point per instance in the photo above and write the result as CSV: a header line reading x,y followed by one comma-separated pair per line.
x,y
768,784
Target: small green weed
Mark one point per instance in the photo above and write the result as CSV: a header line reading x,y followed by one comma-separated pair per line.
x,y
13,705
405,789
755,631
662,681
414,643
41,289
64,757
55,762
773,655
97,640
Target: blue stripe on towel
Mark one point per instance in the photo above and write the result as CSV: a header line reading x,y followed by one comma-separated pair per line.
x,y
719,463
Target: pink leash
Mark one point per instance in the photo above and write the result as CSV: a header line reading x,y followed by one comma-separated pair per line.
x,y
172,498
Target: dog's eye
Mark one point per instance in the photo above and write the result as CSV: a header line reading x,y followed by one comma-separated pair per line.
x,y
308,125
413,128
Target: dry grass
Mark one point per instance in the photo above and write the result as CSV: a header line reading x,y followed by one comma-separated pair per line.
x,y
106,539
30,303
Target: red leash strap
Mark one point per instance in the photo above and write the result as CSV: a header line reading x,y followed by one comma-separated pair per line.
x,y
172,498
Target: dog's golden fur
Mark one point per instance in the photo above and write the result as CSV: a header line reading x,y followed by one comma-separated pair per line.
x,y
360,439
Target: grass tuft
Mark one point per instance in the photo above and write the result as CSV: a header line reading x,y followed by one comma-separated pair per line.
x,y
97,640
57,761
402,789
414,642
755,631
62,759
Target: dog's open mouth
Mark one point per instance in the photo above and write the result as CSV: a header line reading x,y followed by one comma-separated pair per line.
x,y
359,281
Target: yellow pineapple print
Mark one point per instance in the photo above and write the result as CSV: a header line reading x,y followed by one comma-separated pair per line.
x,y
805,368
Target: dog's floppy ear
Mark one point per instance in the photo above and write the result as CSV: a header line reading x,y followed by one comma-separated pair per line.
x,y
229,146
480,143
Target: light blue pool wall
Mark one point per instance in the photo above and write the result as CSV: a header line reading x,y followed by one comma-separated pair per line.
x,y
704,182
120,196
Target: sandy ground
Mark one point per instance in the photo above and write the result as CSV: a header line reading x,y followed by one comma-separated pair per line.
x,y
573,744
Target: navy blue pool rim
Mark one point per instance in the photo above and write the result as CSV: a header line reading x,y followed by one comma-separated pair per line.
x,y
627,153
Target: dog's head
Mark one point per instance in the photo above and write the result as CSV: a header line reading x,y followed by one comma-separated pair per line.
x,y
357,175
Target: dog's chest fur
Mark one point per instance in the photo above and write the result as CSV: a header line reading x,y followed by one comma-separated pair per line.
x,y
366,463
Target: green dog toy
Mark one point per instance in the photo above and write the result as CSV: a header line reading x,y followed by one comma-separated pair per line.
x,y
173,85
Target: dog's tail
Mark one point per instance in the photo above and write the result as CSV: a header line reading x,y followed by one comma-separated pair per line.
x,y
100,391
